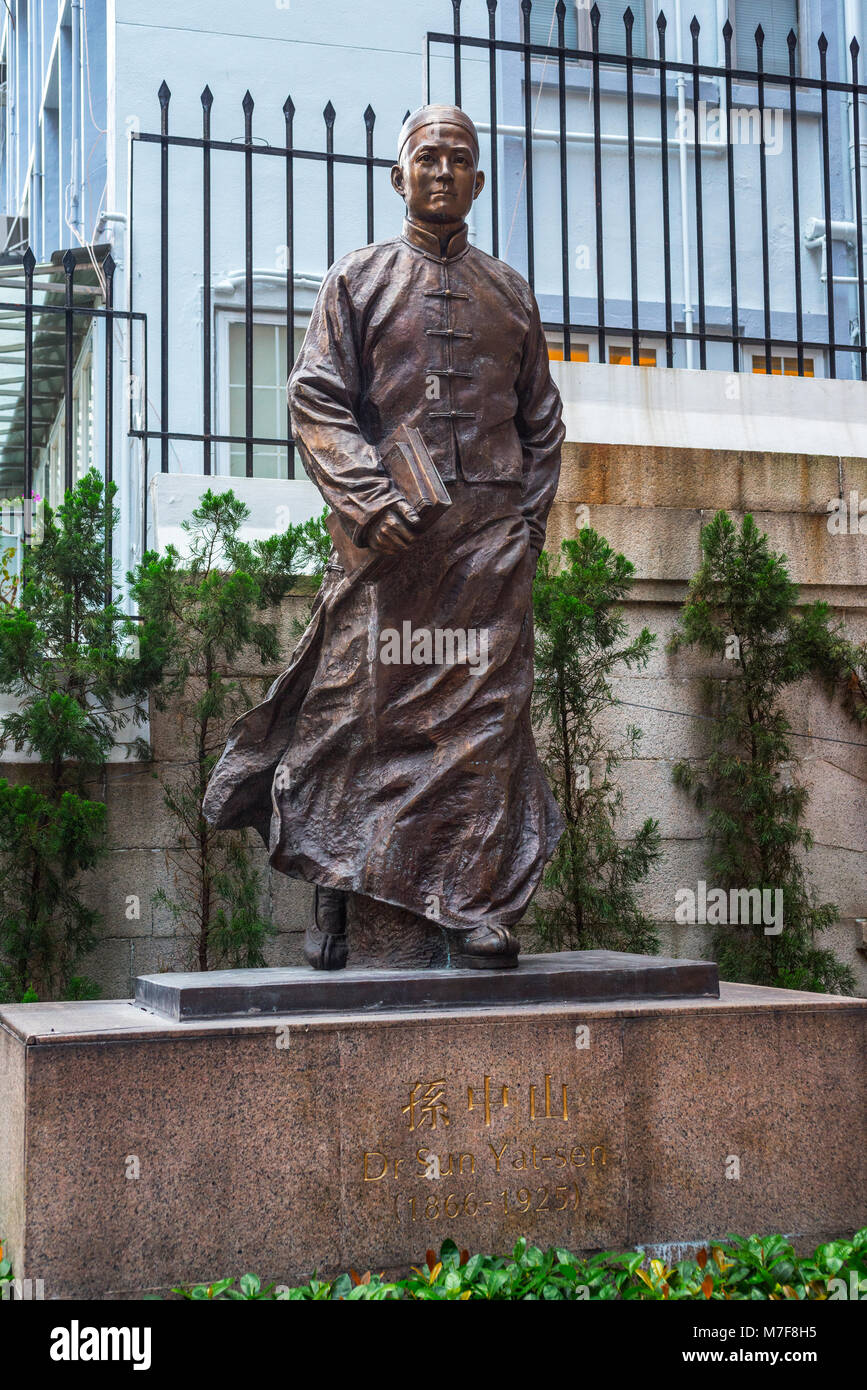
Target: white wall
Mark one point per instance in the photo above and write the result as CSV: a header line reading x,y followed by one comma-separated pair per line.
x,y
711,410
354,54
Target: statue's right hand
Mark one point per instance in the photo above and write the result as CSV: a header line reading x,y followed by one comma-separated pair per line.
x,y
393,531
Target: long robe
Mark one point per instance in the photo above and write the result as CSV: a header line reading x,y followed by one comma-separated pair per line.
x,y
389,759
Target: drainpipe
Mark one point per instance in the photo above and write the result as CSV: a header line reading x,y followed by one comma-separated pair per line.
x,y
853,29
588,137
82,110
10,113
684,198
74,215
82,80
722,14
814,236
124,444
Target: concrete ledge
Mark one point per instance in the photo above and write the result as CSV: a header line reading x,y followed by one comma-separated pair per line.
x,y
138,1152
273,504
673,407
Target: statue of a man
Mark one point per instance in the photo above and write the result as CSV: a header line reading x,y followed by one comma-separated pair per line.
x,y
395,757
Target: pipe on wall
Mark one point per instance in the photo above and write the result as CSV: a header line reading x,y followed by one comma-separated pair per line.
x,y
853,28
683,169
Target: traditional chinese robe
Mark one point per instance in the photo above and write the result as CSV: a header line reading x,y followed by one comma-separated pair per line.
x,y
415,782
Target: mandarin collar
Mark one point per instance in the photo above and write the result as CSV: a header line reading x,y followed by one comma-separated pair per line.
x,y
426,241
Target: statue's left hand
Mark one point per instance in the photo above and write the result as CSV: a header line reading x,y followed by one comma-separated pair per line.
x,y
393,531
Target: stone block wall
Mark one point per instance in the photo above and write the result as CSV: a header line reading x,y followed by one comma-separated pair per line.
x,y
140,936
650,503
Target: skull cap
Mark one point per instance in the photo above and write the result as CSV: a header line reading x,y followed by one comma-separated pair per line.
x,y
436,115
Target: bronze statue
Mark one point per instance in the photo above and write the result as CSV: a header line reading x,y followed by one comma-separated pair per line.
x,y
395,756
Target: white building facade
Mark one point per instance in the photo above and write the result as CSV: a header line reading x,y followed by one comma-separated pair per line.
x,y
81,92
163,245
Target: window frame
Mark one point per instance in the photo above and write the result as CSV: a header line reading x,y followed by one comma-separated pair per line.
x,y
224,316
625,349
804,49
585,33
50,470
784,356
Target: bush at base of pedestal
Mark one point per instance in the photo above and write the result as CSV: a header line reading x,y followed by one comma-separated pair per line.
x,y
745,1268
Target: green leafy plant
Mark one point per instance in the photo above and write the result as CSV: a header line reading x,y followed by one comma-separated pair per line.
x,y
581,642
10,580
741,605
845,664
199,612
63,657
15,510
249,1289
736,1269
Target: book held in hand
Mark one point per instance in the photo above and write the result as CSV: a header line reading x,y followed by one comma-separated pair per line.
x,y
406,459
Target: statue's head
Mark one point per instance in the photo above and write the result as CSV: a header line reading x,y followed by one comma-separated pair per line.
x,y
437,172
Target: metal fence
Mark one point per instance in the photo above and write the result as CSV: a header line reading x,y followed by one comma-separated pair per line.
x,y
796,97
45,313
533,177
290,157
727,186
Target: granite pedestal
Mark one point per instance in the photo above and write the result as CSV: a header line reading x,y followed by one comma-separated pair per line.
x,y
139,1151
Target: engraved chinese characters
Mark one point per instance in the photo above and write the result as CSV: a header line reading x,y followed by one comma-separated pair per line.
x,y
520,1153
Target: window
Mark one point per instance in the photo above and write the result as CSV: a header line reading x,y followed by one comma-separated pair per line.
x,y
543,24
619,356
82,405
580,352
50,472
269,397
612,31
787,366
578,30
776,17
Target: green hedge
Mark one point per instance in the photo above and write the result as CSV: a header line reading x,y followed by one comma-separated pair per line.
x,y
742,1268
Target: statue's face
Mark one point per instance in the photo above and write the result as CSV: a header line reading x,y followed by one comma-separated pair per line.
x,y
437,175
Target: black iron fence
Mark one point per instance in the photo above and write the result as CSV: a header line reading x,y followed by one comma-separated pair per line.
x,y
289,157
688,241
791,98
46,312
657,266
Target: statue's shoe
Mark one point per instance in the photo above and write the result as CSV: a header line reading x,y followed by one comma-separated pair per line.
x,y
323,951
488,948
325,942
